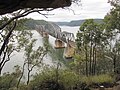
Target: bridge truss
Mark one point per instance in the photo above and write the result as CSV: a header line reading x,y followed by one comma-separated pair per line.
x,y
54,30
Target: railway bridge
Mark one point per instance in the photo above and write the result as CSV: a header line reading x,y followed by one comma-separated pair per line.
x,y
54,30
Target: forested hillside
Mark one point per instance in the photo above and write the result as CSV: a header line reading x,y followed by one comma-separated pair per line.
x,y
30,23
76,22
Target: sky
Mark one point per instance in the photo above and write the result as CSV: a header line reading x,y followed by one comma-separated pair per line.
x,y
85,10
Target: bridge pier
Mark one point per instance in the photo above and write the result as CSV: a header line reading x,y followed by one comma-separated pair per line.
x,y
45,34
59,44
69,51
61,38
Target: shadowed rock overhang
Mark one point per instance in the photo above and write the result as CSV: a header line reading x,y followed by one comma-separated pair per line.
x,y
8,6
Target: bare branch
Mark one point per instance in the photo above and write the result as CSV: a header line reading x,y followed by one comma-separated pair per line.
x,y
25,13
43,14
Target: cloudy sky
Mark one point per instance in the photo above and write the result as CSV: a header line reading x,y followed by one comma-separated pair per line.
x,y
87,9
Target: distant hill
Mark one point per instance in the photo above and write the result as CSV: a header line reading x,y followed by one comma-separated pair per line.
x,y
30,23
62,23
76,22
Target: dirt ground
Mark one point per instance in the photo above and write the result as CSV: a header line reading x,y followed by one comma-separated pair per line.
x,y
114,88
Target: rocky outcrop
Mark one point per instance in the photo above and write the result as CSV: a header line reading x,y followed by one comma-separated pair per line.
x,y
8,6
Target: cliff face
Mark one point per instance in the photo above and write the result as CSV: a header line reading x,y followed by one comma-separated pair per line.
x,y
8,6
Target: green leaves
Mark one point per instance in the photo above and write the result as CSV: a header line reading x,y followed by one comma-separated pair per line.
x,y
112,19
90,32
50,77
9,80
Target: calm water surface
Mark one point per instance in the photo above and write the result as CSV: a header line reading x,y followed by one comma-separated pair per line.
x,y
18,58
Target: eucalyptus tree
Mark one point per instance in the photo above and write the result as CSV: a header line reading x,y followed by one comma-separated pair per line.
x,y
33,55
90,40
112,27
7,41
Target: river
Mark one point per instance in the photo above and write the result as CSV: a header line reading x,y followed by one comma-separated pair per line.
x,y
18,58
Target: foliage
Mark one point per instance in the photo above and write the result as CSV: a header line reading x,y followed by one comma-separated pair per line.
x,y
112,22
97,44
112,19
98,79
8,39
31,23
20,40
76,22
9,80
90,40
54,79
69,79
66,80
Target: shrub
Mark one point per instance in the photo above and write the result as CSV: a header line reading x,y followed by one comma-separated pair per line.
x,y
104,79
7,81
69,79
52,79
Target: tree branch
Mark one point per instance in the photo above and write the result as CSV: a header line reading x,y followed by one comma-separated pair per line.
x,y
7,39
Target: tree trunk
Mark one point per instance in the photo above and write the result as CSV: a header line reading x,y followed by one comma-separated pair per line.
x,y
86,56
4,46
114,63
28,77
21,75
94,60
90,66
28,74
95,63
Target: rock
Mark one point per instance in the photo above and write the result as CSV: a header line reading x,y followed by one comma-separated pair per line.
x,y
102,88
9,6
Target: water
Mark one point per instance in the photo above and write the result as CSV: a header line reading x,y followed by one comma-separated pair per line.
x,y
18,58
73,30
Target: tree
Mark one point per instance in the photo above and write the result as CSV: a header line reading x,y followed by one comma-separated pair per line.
x,y
33,55
112,22
90,40
8,39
